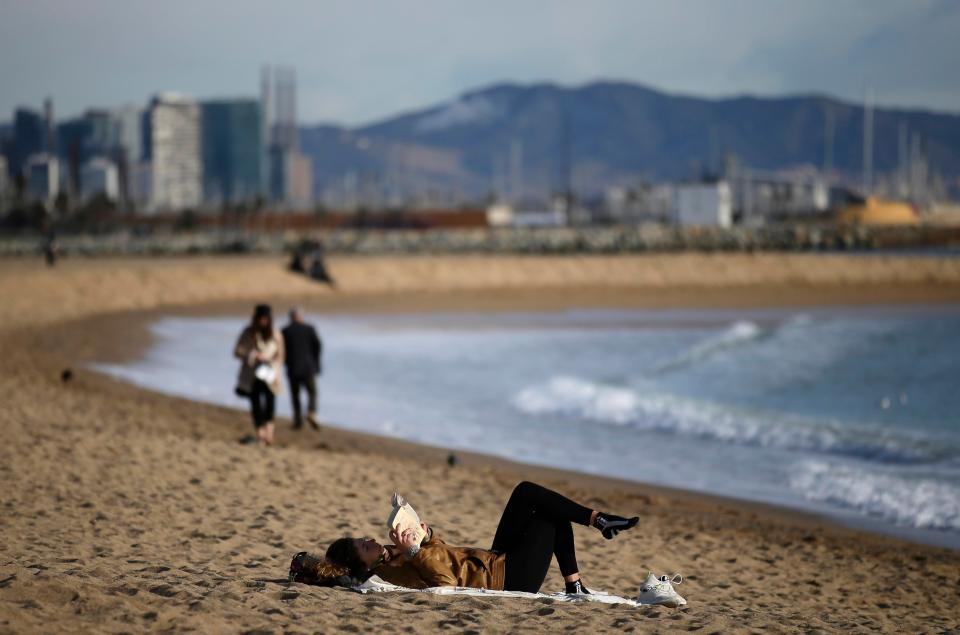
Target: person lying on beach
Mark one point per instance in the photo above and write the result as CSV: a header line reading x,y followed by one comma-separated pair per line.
x,y
534,527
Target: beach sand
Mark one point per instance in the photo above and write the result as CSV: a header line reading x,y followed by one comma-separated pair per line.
x,y
125,510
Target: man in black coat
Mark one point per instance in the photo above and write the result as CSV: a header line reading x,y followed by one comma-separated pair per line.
x,y
304,348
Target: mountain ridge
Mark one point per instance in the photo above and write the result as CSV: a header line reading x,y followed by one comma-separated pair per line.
x,y
533,139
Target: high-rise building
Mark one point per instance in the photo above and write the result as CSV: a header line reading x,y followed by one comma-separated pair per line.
x,y
29,137
49,127
73,141
4,179
290,173
43,177
6,193
232,150
128,130
291,178
128,122
103,132
172,147
139,184
99,177
278,95
6,145
113,134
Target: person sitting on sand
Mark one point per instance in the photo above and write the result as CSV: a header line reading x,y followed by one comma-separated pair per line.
x,y
535,525
260,349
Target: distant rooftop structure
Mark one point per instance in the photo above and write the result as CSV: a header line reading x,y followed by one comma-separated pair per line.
x,y
171,97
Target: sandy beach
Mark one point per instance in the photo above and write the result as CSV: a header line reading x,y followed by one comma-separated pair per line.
x,y
126,511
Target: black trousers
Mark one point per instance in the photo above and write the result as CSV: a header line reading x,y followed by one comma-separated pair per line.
x,y
310,384
262,403
534,527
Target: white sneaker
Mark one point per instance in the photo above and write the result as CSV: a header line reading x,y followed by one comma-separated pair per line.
x,y
660,590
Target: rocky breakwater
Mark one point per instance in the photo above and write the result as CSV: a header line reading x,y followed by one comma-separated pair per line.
x,y
554,240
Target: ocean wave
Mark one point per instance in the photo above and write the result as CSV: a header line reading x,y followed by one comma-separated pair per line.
x,y
572,396
916,502
615,405
736,334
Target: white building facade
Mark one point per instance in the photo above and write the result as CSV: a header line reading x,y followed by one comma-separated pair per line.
x,y
704,204
172,147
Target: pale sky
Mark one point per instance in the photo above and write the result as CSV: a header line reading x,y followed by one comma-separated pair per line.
x,y
361,60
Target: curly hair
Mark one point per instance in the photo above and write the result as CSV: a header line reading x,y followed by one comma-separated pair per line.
x,y
309,569
343,552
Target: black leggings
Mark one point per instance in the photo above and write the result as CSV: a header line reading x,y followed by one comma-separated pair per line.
x,y
535,526
261,403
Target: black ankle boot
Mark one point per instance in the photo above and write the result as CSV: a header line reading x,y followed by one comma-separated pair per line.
x,y
610,525
576,588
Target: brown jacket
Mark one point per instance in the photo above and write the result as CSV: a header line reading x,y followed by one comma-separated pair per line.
x,y
439,564
248,344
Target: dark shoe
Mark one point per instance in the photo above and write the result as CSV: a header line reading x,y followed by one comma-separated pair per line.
x,y
576,588
610,525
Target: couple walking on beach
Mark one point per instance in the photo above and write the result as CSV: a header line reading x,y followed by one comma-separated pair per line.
x,y
263,351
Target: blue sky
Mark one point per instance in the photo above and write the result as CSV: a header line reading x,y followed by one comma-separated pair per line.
x,y
363,60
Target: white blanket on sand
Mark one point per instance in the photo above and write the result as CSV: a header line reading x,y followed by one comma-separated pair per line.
x,y
376,585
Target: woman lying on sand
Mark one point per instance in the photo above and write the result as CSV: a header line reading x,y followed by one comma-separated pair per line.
x,y
535,525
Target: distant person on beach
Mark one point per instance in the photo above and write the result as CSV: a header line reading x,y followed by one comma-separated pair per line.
x,y
261,353
50,248
318,269
304,350
296,262
534,527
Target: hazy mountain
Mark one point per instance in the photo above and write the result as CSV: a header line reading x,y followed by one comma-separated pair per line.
x,y
544,135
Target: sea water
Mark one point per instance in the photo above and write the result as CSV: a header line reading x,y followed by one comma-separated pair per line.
x,y
853,413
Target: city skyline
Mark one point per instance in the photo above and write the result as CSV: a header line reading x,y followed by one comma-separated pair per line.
x,y
353,69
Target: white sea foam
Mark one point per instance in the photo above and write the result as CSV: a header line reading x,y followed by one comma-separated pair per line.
x,y
736,334
916,502
572,396
656,411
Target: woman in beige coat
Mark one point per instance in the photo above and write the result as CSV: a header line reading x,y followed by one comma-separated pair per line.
x,y
535,527
261,354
